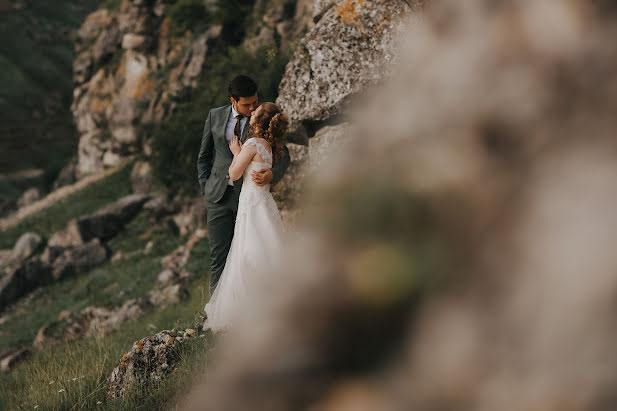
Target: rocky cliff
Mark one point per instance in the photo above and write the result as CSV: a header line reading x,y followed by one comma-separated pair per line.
x,y
133,60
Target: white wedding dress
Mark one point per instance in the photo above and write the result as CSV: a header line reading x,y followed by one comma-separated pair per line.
x,y
255,250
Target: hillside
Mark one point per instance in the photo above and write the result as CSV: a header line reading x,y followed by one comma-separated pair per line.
x,y
36,90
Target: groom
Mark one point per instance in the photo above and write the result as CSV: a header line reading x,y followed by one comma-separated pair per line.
x,y
215,157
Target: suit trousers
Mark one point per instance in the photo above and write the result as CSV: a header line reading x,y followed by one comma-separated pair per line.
x,y
221,217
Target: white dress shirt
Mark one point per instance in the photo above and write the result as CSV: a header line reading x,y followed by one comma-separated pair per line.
x,y
229,129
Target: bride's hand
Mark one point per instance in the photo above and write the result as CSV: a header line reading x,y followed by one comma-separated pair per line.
x,y
235,146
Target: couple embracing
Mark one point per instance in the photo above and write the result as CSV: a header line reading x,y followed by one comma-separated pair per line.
x,y
242,155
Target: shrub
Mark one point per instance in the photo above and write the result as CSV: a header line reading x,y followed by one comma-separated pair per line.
x,y
187,15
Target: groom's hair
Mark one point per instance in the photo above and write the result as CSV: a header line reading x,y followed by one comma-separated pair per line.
x,y
242,86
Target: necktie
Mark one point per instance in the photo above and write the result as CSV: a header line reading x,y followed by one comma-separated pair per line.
x,y
238,127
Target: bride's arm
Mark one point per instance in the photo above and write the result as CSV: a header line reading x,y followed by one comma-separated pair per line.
x,y
242,158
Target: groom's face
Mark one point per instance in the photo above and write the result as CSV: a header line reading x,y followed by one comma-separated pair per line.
x,y
245,105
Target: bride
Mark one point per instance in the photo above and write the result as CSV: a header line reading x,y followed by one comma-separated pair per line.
x,y
258,233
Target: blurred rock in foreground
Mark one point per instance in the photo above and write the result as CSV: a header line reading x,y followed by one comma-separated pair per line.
x,y
460,253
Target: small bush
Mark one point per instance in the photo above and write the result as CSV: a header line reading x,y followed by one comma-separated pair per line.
x,y
187,15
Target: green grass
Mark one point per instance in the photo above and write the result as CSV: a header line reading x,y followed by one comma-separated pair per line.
x,y
82,202
29,385
110,285
106,286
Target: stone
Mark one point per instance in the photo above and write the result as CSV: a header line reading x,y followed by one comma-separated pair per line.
x,y
70,236
107,43
52,252
320,7
92,146
93,24
165,277
23,278
296,134
291,186
111,159
78,259
28,197
149,360
132,41
5,257
11,357
192,217
107,222
351,48
141,177
100,321
103,224
82,68
66,175
169,295
160,207
326,141
25,246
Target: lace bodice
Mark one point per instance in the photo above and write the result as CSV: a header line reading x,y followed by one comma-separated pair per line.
x,y
251,193
261,149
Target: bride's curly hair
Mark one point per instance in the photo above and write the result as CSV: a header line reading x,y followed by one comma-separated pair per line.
x,y
271,124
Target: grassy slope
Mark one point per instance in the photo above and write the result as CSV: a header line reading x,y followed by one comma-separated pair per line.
x,y
83,202
30,383
109,285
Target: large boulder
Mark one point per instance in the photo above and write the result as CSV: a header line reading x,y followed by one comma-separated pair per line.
x,y
108,221
103,224
351,47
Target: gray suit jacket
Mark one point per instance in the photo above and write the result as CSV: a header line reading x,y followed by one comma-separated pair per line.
x,y
215,157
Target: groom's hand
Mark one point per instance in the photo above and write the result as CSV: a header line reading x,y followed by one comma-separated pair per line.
x,y
262,177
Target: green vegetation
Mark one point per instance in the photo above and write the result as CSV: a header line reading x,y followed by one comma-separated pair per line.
x,y
187,15
83,202
36,87
177,140
81,367
111,5
106,286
